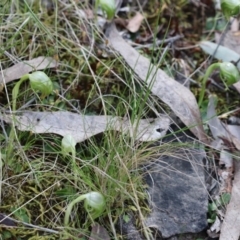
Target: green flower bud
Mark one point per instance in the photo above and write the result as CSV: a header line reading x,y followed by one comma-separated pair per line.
x,y
108,6
68,145
39,81
229,73
94,204
230,7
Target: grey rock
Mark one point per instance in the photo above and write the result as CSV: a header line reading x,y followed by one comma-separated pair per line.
x,y
177,191
128,229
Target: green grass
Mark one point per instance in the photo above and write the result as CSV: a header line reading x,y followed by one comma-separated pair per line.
x,y
38,182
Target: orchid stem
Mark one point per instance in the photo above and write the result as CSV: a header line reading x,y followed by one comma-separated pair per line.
x,y
69,208
209,71
15,92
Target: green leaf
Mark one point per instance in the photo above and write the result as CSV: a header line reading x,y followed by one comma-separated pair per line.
x,y
225,198
210,220
6,234
66,192
126,218
212,207
221,53
21,214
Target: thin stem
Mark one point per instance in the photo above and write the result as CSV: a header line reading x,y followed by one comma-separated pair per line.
x,y
12,134
69,208
15,90
209,71
75,168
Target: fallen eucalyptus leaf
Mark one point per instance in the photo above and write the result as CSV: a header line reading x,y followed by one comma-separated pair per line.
x,y
231,40
221,131
221,53
176,96
230,228
82,127
22,68
218,128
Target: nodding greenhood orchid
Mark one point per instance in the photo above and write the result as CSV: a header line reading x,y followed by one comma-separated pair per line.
x,y
230,7
94,204
108,6
228,72
39,81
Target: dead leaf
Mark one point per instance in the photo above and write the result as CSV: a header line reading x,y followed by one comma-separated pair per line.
x,y
234,130
218,129
122,22
226,158
82,127
216,226
99,233
234,24
177,97
230,228
135,22
227,134
146,129
231,40
5,220
19,69
237,86
236,142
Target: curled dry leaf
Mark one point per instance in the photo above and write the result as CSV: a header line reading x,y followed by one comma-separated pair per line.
x,y
22,68
99,233
228,134
135,22
237,86
177,97
82,127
